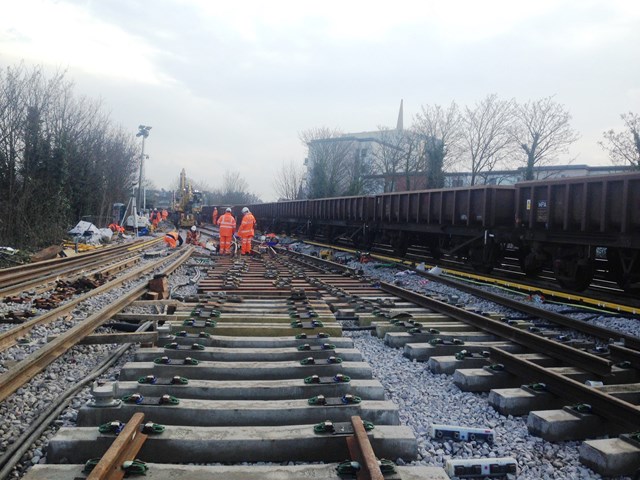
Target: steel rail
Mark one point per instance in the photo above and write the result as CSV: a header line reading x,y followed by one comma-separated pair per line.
x,y
565,296
361,451
125,447
630,341
604,405
594,330
565,353
38,425
45,279
8,338
29,269
25,370
627,354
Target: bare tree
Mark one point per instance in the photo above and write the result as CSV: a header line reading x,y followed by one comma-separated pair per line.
x,y
233,182
234,191
440,130
624,147
485,134
289,180
329,159
388,156
542,131
61,159
412,163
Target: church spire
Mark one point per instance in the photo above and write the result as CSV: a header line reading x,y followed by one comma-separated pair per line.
x,y
399,125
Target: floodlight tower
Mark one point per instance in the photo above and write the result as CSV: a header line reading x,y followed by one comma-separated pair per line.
x,y
143,131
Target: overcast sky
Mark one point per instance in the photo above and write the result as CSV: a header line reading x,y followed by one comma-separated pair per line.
x,y
230,85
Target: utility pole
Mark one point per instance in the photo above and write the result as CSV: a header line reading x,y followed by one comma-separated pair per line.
x,y
143,131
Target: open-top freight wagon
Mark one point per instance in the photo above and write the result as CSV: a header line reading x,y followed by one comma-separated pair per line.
x,y
564,224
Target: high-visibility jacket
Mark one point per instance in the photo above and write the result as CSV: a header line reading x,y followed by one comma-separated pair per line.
x,y
193,237
172,238
215,216
227,225
114,227
246,227
165,214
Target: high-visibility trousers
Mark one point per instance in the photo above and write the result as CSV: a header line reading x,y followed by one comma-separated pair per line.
x,y
246,245
225,244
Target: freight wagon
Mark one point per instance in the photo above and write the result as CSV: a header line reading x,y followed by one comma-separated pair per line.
x,y
557,224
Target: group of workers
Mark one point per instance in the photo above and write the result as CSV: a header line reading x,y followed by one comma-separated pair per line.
x,y
245,231
156,217
227,224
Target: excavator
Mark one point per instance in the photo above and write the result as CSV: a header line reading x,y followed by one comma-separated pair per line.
x,y
188,203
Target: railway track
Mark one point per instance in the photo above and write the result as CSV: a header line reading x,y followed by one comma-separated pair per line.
x,y
601,295
253,390
23,363
15,277
231,371
19,328
588,386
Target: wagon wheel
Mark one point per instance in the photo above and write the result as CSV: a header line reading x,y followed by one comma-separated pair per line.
x,y
485,257
400,243
624,267
530,263
436,246
573,273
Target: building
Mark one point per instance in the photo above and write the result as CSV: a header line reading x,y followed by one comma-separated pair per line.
x,y
348,161
362,163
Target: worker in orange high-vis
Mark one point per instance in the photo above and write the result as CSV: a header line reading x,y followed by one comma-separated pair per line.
x,y
116,228
227,224
215,216
193,236
155,218
173,239
246,230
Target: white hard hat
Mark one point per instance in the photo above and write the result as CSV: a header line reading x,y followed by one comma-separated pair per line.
x,y
245,210
228,210
193,228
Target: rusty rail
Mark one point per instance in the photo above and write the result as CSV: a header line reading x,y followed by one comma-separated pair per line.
x,y
25,370
8,338
11,275
565,353
361,451
603,404
125,447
